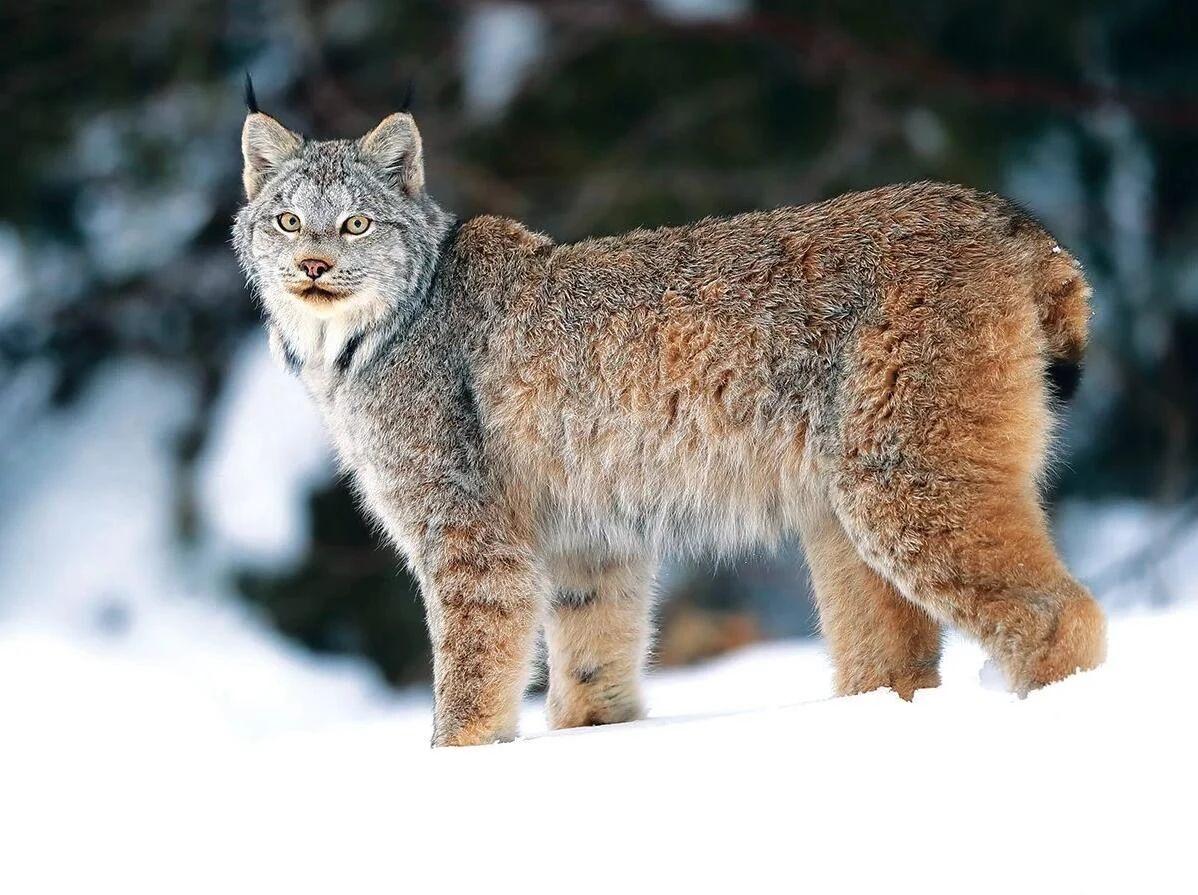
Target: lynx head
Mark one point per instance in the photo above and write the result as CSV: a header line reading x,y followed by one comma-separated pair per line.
x,y
335,228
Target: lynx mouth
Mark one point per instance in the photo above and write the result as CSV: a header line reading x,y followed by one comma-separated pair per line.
x,y
318,294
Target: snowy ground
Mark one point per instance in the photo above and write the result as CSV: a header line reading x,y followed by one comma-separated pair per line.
x,y
267,772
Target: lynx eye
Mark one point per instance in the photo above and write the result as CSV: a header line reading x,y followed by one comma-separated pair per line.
x,y
288,222
356,225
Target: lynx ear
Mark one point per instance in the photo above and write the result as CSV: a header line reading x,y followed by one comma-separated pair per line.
x,y
395,145
265,144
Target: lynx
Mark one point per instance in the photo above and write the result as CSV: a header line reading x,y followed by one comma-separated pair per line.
x,y
536,425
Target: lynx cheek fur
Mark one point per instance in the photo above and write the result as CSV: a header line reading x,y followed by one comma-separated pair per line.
x,y
534,424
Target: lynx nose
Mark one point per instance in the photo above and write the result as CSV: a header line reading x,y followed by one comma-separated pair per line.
x,y
314,267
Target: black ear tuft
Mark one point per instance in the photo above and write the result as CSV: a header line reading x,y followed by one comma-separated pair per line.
x,y
406,104
251,101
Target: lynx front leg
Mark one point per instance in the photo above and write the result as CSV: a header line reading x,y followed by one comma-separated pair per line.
x,y
597,635
483,612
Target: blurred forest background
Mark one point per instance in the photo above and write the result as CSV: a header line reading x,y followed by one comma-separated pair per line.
x,y
150,452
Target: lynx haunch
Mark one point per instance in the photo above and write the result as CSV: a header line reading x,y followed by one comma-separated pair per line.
x,y
536,425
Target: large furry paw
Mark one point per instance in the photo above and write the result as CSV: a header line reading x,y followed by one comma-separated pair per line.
x,y
473,733
581,707
904,681
596,716
1076,643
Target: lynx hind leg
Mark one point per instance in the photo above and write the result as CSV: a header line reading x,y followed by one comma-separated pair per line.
x,y
597,636
877,638
985,563
936,486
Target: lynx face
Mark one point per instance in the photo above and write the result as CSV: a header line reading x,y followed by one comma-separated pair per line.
x,y
334,227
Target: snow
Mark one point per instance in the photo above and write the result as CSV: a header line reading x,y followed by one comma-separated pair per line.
x,y
701,10
266,453
12,272
501,44
1132,554
93,581
150,773
92,485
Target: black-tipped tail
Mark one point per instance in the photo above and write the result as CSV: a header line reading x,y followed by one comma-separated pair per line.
x,y
251,101
408,95
1063,379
